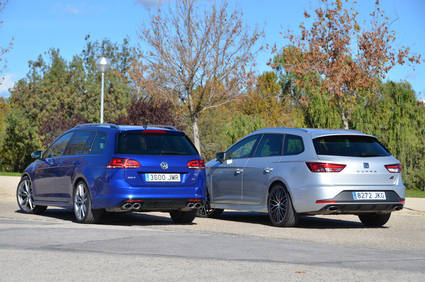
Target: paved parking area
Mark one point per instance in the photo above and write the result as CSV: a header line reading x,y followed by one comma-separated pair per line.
x,y
236,247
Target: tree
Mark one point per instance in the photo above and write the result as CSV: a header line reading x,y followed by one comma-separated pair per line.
x,y
334,55
56,94
196,59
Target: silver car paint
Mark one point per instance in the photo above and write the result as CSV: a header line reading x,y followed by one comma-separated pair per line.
x,y
253,176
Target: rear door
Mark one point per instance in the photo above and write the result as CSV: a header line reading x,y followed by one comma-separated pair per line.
x,y
259,168
365,159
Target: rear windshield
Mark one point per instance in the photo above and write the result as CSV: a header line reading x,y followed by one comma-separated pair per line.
x,y
350,146
139,143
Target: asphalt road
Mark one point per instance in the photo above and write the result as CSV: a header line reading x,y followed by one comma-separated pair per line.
x,y
236,247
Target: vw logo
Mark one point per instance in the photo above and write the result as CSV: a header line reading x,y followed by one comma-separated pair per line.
x,y
164,165
366,165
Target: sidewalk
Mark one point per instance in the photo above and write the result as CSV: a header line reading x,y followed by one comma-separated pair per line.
x,y
8,186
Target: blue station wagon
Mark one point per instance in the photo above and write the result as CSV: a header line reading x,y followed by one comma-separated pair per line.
x,y
94,168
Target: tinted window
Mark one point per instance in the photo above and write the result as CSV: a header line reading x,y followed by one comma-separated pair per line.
x,y
270,145
138,143
99,143
80,143
58,147
242,149
293,145
350,146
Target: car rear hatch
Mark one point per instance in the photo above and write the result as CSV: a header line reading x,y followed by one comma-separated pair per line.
x,y
362,159
160,158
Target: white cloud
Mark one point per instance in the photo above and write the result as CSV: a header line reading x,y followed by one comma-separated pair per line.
x,y
150,3
6,82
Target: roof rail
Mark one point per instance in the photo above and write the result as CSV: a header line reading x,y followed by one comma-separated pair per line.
x,y
160,125
111,125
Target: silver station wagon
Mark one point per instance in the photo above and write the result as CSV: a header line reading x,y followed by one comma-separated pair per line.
x,y
288,172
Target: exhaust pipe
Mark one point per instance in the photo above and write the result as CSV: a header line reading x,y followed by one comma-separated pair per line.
x,y
333,208
197,206
126,206
190,205
136,206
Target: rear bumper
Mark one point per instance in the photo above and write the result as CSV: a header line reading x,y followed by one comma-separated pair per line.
x,y
153,198
359,208
316,199
140,205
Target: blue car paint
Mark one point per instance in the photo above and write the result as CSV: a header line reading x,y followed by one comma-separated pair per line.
x,y
54,179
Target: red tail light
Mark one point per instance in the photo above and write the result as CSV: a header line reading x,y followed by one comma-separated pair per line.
x,y
196,164
393,168
325,167
122,163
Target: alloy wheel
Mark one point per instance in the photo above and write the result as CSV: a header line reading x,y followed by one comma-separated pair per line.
x,y
25,198
278,205
80,202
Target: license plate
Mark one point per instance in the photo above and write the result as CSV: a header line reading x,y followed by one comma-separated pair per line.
x,y
162,177
369,196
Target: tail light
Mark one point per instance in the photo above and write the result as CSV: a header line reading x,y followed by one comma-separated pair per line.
x,y
196,164
393,168
122,163
325,167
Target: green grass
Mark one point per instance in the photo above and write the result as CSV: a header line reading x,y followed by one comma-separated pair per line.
x,y
2,173
415,193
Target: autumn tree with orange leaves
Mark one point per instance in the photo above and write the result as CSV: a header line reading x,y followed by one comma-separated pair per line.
x,y
333,54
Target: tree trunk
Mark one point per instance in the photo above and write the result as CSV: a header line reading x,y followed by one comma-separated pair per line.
x,y
196,133
344,120
343,116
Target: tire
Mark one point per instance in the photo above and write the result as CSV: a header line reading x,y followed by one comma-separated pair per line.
x,y
280,208
375,219
207,211
83,206
182,217
25,199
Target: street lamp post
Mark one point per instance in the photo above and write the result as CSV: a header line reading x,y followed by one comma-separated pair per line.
x,y
102,64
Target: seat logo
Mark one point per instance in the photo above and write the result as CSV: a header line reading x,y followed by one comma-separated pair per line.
x,y
366,165
164,165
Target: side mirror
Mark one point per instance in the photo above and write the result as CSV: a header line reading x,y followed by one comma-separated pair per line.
x,y
220,156
36,155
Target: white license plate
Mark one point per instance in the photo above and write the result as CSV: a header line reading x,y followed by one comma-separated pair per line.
x,y
369,196
162,177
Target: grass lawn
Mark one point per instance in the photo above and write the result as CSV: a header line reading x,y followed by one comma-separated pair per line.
x,y
415,193
10,173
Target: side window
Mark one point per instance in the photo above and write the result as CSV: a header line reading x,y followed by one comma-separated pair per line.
x,y
58,147
99,143
80,143
270,145
293,145
242,149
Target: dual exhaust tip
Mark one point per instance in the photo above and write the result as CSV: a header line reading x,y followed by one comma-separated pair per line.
x,y
193,205
131,206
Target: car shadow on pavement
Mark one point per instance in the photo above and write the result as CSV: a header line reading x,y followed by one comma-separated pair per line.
x,y
308,222
123,219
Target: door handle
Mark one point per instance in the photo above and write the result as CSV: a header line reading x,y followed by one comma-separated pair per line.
x,y
268,169
238,170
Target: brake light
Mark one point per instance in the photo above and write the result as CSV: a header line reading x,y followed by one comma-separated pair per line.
x,y
325,167
154,131
122,163
393,168
196,164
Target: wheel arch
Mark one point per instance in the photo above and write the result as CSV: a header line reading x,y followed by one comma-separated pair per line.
x,y
285,185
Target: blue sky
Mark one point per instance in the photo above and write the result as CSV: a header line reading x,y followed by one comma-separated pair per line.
x,y
39,25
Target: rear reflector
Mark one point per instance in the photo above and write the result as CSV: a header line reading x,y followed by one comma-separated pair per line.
x,y
325,167
196,164
122,163
194,200
325,202
401,201
393,168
